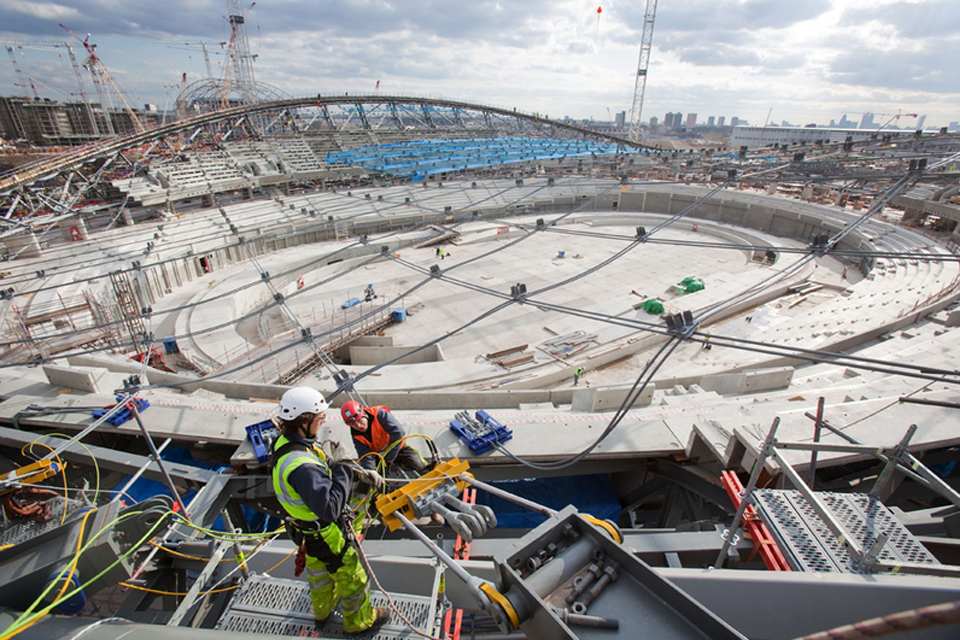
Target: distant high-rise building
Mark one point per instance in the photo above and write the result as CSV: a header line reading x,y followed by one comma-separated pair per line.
x,y
670,121
691,120
866,122
846,124
620,119
721,120
711,121
920,122
653,121
734,121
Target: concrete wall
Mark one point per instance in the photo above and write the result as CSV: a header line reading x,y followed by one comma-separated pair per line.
x,y
609,398
343,353
24,244
369,356
187,384
81,380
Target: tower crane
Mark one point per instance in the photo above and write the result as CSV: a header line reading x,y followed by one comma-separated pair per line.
x,y
896,117
21,82
641,82
102,76
56,46
192,46
238,75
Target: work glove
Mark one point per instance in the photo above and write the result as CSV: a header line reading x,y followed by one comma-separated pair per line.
x,y
372,478
335,451
367,476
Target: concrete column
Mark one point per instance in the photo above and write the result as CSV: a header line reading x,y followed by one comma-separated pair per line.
x,y
25,244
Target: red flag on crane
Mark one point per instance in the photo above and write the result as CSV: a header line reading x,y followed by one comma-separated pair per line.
x,y
378,84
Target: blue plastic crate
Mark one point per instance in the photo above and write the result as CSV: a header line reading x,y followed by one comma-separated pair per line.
x,y
261,436
481,441
124,414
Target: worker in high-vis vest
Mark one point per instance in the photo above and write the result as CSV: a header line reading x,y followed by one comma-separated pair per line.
x,y
315,494
376,431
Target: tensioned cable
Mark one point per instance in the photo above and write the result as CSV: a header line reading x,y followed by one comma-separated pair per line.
x,y
558,285
905,255
651,368
172,247
551,306
227,294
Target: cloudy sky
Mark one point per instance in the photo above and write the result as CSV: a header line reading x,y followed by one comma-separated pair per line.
x,y
800,61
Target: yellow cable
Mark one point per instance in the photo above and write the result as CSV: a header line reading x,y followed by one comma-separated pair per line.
x,y
26,620
221,535
63,471
289,555
76,557
96,467
183,555
175,593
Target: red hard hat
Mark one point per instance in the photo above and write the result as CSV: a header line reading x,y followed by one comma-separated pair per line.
x,y
350,411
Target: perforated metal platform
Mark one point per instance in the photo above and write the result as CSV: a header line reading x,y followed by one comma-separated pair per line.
x,y
13,533
282,607
808,543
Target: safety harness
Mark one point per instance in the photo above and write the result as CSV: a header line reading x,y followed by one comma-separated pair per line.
x,y
307,534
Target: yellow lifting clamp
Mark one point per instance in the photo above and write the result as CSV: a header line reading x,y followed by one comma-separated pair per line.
x,y
401,499
29,474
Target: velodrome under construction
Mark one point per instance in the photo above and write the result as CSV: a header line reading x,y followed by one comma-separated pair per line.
x,y
742,365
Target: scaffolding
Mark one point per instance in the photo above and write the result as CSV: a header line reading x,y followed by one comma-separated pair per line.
x,y
824,531
129,305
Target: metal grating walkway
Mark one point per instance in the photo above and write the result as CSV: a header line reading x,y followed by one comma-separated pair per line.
x,y
810,545
282,607
17,532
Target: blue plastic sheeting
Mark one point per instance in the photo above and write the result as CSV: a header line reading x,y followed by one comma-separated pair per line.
x,y
144,488
591,494
428,157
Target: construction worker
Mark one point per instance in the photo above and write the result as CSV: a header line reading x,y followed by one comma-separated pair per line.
x,y
315,493
376,431
576,376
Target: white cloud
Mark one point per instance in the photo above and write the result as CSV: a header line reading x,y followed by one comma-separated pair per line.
x,y
809,60
43,10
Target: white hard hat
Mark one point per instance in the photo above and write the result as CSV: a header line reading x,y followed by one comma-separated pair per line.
x,y
300,400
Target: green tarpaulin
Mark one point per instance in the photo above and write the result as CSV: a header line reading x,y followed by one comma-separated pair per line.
x,y
653,306
689,285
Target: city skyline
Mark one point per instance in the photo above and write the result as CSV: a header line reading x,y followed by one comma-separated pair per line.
x,y
799,62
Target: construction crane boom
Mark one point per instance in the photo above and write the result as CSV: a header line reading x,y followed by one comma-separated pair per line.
x,y
21,82
641,80
238,75
52,46
192,46
99,71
